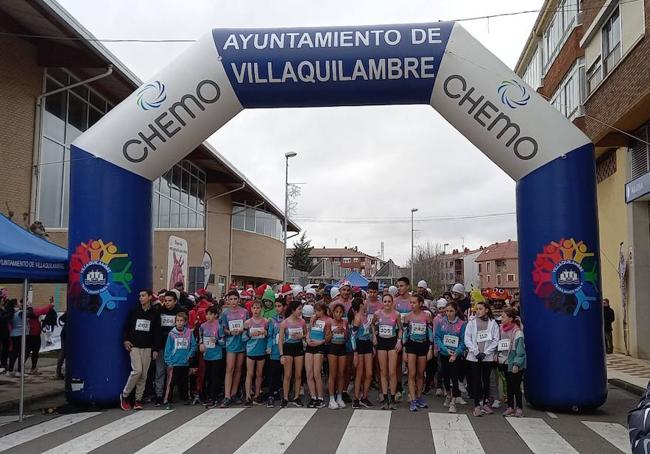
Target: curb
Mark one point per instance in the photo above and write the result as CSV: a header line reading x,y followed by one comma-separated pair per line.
x,y
13,404
629,387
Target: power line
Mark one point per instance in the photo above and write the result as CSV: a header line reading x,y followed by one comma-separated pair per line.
x,y
388,220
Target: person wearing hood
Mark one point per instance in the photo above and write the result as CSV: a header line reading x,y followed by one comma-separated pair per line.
x,y
458,294
268,304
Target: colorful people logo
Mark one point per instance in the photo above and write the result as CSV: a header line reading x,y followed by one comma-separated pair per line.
x,y
566,276
100,276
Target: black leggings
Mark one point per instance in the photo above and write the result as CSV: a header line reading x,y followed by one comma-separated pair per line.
x,y
513,383
4,351
449,371
177,376
480,381
275,377
214,378
16,348
33,349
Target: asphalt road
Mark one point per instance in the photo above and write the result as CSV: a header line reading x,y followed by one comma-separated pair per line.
x,y
293,430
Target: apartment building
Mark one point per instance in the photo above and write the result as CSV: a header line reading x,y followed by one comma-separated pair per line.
x,y
498,266
348,258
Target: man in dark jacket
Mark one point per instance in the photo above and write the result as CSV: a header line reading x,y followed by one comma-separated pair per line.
x,y
167,314
608,318
142,341
639,425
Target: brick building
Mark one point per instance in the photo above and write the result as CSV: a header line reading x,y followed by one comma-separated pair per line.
x,y
591,59
47,101
498,266
348,258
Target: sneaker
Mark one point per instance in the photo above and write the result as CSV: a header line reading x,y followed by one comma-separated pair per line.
x,y
392,404
333,405
447,401
320,403
297,402
355,404
477,411
366,403
138,405
421,403
509,412
461,401
385,404
124,403
398,396
439,392
158,402
340,402
248,402
496,403
227,402
210,404
452,407
197,400
413,406
519,413
258,400
283,403
168,406
487,410
311,403
346,398
270,402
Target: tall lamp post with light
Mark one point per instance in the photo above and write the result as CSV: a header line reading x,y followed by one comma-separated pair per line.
x,y
413,210
287,155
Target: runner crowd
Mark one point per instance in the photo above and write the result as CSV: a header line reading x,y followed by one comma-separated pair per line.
x,y
324,347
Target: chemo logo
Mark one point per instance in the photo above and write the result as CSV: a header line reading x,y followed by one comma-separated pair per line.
x,y
151,96
100,276
513,94
566,276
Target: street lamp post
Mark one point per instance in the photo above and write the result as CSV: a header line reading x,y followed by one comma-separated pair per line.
x,y
413,210
287,155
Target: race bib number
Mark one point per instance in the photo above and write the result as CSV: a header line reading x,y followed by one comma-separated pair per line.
x,y
385,331
235,324
142,325
338,337
256,333
418,328
503,345
402,316
210,342
295,333
319,325
450,341
181,343
167,320
483,336
369,319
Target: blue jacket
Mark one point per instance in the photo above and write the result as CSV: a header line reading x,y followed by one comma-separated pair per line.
x,y
180,347
455,329
209,335
272,340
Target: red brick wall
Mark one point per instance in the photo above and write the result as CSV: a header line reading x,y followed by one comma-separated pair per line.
x,y
563,62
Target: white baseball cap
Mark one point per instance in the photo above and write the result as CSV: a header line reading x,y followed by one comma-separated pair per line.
x,y
308,311
422,284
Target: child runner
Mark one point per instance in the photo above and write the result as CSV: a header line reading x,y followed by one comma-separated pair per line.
x,y
232,323
449,337
318,334
168,310
481,340
336,357
211,345
418,349
255,334
274,374
363,354
142,341
512,352
403,306
387,334
180,348
441,304
293,330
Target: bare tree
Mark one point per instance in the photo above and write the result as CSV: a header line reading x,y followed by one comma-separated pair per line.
x,y
428,261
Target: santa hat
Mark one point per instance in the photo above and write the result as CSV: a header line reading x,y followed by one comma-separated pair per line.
x,y
260,290
285,290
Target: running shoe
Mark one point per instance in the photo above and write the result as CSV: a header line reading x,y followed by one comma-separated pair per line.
x,y
447,401
168,406
227,402
333,405
258,400
311,403
320,403
124,403
366,403
158,402
413,406
297,402
398,396
340,402
487,410
392,404
210,404
509,412
248,402
439,392
138,405
355,404
385,405
452,407
283,403
270,403
477,411
461,401
496,403
519,413
421,403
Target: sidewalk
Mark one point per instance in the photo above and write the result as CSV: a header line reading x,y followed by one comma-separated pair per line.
x,y
36,386
630,373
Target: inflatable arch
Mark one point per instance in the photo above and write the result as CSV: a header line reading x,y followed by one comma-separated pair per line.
x,y
114,163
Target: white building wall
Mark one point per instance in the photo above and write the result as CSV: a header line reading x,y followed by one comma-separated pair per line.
x,y
470,271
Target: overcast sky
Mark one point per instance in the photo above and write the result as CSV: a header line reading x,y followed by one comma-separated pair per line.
x,y
358,162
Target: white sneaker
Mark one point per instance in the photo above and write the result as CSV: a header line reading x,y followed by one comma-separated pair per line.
x,y
452,407
462,387
461,401
339,402
447,401
439,392
496,403
398,396
333,405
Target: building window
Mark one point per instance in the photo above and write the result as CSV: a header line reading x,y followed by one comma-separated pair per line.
x,y
594,76
640,152
488,267
510,278
498,280
480,267
533,74
487,278
567,99
606,166
65,116
565,18
196,278
611,42
257,221
356,259
179,198
346,260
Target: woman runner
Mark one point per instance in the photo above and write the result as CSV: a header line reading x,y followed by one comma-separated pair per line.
x,y
337,357
318,334
232,322
387,334
417,334
449,338
363,354
293,330
255,332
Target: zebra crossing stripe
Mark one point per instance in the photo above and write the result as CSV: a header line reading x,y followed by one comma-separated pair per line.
x,y
540,437
278,433
8,419
42,429
614,433
367,431
105,434
184,437
454,434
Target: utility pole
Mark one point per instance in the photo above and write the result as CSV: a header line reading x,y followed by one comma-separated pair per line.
x,y
287,155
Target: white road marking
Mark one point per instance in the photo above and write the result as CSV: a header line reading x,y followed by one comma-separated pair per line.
x,y
42,429
552,415
614,433
278,433
540,437
367,431
454,434
184,437
107,433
